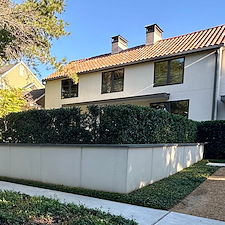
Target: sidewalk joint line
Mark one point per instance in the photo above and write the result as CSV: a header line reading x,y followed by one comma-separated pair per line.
x,y
161,218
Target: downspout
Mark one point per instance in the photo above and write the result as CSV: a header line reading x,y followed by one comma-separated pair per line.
x,y
214,100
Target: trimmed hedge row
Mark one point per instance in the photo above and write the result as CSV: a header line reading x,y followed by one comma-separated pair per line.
x,y
42,126
121,124
212,132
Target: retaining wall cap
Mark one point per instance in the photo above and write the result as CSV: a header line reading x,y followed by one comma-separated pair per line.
x,y
104,145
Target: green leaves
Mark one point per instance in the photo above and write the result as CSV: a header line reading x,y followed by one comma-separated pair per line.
x,y
122,124
130,124
5,39
11,101
212,132
20,209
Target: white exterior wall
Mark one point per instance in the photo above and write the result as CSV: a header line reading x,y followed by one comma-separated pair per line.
x,y
113,168
221,105
53,94
138,80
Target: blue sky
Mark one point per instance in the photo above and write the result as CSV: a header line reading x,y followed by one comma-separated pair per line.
x,y
93,23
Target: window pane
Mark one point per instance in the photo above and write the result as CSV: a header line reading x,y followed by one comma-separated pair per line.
x,y
176,71
180,108
106,82
118,80
160,106
65,88
160,73
74,90
69,89
65,92
65,83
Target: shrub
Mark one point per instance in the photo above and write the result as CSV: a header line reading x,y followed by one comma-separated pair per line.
x,y
212,132
42,126
132,124
113,124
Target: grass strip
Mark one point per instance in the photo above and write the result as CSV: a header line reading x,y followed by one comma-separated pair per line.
x,y
163,194
21,209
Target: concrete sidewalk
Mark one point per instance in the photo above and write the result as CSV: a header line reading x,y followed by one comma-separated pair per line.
x,y
142,215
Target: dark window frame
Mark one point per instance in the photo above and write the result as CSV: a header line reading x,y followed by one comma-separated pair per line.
x,y
70,85
168,75
168,106
112,81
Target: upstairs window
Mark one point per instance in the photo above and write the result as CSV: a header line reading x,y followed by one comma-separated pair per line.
x,y
112,81
169,72
176,107
69,89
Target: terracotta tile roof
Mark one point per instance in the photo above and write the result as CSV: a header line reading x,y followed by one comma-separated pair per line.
x,y
198,40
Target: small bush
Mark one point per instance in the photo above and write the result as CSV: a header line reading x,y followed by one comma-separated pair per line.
x,y
212,132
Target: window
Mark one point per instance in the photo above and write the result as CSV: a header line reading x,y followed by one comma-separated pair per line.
x,y
112,81
169,72
69,89
176,107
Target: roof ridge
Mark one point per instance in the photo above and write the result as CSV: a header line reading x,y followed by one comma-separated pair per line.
x,y
93,57
108,54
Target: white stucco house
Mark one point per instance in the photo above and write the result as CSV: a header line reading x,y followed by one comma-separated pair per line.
x,y
183,74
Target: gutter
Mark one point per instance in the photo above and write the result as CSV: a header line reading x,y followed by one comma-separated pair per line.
x,y
214,100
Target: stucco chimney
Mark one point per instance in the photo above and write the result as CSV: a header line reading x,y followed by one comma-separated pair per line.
x,y
118,44
153,34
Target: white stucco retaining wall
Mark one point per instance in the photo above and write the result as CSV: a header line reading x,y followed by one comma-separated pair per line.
x,y
114,168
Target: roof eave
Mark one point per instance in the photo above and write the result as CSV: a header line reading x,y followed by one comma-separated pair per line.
x,y
153,97
54,78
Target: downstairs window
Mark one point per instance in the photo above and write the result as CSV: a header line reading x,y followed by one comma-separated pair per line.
x,y
176,107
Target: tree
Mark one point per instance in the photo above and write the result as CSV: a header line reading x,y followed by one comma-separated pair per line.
x,y
11,101
27,30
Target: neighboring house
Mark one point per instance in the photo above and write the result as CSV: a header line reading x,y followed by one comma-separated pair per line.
x,y
183,74
36,98
18,75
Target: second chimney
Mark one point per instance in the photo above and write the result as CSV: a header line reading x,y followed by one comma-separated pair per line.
x,y
119,43
153,34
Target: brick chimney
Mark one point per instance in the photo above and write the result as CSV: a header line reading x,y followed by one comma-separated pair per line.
x,y
118,44
153,34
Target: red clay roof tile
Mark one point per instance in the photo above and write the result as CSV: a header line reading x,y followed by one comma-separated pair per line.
x,y
180,44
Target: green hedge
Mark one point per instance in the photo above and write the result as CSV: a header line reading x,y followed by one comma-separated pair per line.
x,y
142,125
42,126
212,132
123,124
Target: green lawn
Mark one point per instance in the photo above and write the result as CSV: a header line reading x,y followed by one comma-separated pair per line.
x,y
162,194
21,209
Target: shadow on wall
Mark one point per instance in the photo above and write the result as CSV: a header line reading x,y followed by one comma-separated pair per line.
x,y
163,162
